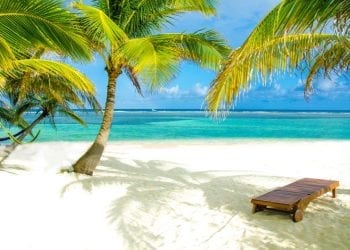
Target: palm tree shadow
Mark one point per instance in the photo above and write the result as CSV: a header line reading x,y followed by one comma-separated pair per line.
x,y
12,169
164,202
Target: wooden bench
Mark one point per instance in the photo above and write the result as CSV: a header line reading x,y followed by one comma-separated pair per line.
x,y
295,197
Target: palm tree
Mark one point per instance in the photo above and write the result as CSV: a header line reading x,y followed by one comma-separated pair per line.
x,y
126,35
294,34
34,94
30,29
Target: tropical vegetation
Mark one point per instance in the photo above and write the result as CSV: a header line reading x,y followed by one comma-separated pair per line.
x,y
296,34
127,35
46,96
32,34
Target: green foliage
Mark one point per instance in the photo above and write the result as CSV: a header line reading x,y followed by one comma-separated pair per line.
x,y
126,41
99,27
156,58
29,23
48,94
142,18
54,69
294,33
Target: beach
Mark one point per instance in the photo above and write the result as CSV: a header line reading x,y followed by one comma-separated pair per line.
x,y
171,194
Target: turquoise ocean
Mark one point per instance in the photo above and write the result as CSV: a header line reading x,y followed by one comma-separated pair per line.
x,y
196,124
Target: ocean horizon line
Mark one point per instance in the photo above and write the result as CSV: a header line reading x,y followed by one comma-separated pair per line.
x,y
233,110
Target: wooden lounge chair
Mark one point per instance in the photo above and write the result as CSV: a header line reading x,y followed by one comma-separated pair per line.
x,y
294,197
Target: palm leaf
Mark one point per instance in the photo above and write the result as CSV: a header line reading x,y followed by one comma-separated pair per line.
x,y
50,25
35,136
156,58
99,27
206,7
336,57
65,71
298,16
70,113
207,48
142,18
156,61
6,54
9,134
278,44
130,72
259,63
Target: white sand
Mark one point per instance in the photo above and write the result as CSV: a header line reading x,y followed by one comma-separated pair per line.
x,y
171,195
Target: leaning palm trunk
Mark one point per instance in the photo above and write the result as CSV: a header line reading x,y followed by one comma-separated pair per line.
x,y
14,135
89,161
27,131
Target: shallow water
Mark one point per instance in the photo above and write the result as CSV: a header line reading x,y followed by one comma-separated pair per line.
x,y
164,125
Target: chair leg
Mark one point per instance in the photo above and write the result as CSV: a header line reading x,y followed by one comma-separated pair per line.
x,y
333,193
257,208
254,209
298,215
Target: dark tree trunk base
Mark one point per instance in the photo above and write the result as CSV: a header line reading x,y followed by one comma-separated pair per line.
x,y
89,161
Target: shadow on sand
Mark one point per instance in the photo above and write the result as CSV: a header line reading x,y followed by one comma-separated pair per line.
x,y
168,206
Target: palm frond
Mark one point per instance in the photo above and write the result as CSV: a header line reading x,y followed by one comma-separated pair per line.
x,y
104,5
50,25
141,18
70,113
24,106
259,63
130,72
155,60
206,7
206,48
291,34
298,16
99,27
52,68
335,58
9,134
9,118
6,54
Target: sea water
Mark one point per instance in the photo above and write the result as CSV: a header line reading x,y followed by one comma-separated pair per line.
x,y
194,124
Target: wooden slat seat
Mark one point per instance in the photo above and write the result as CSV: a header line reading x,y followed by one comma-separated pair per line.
x,y
294,198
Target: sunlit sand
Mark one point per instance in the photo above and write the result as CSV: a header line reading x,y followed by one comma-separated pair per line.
x,y
171,195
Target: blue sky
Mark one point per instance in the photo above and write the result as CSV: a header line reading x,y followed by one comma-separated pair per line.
x,y
235,20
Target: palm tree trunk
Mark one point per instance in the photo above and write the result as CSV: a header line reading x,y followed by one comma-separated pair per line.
x,y
28,130
14,135
89,161
13,146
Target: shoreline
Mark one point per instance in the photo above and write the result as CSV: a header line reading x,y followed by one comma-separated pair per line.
x,y
285,158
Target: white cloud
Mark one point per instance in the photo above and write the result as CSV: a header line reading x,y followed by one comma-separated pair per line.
x,y
326,84
200,90
279,90
269,91
172,91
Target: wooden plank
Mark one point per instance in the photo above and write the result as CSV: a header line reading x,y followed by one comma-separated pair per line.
x,y
281,197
